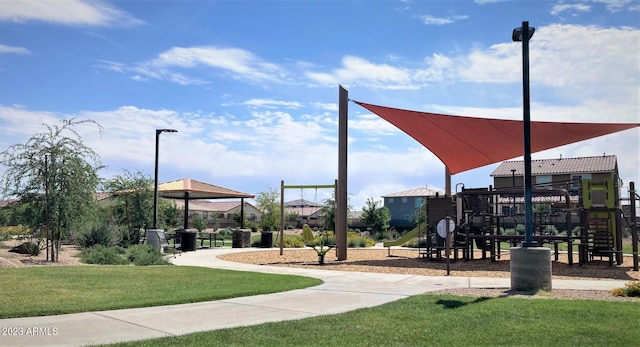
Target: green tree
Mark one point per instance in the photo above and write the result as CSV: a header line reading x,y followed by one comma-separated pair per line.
x,y
56,175
269,203
169,215
133,207
328,212
198,222
375,216
292,218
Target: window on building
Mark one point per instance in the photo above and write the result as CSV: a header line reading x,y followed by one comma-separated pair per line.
x,y
407,217
419,202
404,200
543,182
390,200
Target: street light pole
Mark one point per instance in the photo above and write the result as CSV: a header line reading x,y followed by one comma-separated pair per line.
x,y
530,265
155,184
523,34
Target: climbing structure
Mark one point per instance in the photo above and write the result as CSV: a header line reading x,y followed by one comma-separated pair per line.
x,y
601,232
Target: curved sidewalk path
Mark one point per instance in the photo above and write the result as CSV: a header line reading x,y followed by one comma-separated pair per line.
x,y
341,292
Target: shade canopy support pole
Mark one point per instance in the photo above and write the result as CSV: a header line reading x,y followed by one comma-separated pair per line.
x,y
341,196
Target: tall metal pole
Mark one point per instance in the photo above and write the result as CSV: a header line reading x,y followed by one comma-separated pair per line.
x,y
341,196
528,205
155,179
155,184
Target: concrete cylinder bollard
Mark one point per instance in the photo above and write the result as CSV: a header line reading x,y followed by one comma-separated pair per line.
x,y
530,269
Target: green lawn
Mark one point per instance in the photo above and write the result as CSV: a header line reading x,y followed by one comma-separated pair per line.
x,y
49,290
443,320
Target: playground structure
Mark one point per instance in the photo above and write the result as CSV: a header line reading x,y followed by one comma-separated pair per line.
x,y
590,221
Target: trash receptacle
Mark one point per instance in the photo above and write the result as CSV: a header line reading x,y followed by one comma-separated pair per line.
x,y
266,239
188,239
241,238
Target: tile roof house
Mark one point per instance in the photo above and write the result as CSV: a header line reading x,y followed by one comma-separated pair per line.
x,y
224,211
403,205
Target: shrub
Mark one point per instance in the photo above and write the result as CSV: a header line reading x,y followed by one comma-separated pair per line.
x,y
576,231
550,230
510,231
35,247
355,241
104,235
130,236
630,289
143,255
293,241
253,226
30,247
8,232
225,233
99,254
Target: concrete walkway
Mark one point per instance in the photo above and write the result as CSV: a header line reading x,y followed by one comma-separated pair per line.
x,y
341,292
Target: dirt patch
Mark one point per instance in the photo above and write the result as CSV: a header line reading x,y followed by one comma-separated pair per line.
x,y
68,255
406,261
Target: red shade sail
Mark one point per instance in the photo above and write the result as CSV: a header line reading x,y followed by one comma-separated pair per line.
x,y
465,143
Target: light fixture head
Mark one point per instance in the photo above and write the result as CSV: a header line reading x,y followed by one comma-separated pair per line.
x,y
158,131
516,36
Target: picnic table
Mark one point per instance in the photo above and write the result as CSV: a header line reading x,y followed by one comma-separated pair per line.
x,y
212,237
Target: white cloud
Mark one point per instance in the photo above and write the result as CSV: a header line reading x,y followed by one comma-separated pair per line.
x,y
373,125
618,5
558,9
4,49
270,103
356,71
175,64
433,20
578,62
16,120
67,12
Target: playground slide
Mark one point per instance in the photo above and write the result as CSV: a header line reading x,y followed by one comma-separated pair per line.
x,y
406,237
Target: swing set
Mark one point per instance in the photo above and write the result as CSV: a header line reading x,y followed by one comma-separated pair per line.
x,y
301,187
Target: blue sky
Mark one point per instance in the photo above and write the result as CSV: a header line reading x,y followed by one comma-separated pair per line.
x,y
252,86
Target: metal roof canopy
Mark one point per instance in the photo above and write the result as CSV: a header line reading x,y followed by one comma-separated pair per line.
x,y
189,189
465,143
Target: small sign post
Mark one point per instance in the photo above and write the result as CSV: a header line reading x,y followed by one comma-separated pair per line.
x,y
445,228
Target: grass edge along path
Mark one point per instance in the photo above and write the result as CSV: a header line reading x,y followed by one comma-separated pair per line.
x,y
51,290
441,320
